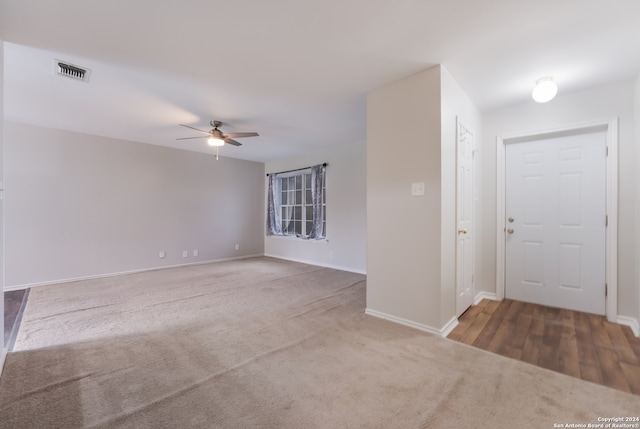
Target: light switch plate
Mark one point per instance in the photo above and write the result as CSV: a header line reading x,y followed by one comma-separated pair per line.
x,y
417,189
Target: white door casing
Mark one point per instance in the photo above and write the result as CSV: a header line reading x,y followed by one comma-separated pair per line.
x,y
555,229
464,217
611,129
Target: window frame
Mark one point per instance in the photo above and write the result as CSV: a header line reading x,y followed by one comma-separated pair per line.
x,y
294,204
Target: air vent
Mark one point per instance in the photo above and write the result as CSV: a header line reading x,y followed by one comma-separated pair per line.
x,y
63,68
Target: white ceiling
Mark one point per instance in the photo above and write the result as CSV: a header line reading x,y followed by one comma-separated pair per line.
x,y
296,71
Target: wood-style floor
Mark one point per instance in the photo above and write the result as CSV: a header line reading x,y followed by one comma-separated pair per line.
x,y
577,344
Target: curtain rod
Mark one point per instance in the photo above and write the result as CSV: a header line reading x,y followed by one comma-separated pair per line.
x,y
291,171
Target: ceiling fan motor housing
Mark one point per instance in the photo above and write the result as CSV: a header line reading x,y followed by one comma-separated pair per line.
x,y
217,134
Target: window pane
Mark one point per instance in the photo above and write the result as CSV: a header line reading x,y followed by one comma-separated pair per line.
x,y
296,203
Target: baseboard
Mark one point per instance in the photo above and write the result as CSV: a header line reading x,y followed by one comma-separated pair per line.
x,y
446,330
3,356
318,264
484,295
631,322
121,273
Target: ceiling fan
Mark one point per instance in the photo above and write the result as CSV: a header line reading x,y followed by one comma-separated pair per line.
x,y
217,138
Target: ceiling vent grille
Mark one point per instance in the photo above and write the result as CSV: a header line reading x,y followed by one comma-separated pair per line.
x,y
63,68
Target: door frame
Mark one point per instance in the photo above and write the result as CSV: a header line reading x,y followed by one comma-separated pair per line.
x,y
611,242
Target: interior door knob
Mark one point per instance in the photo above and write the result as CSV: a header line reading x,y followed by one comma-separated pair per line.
x,y
510,231
462,231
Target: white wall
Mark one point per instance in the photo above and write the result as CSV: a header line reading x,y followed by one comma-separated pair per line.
x,y
596,104
411,240
403,231
3,351
79,206
636,110
346,210
456,104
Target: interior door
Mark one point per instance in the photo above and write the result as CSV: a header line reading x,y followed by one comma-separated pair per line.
x,y
555,199
464,214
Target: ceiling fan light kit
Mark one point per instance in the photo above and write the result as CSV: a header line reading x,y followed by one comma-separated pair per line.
x,y
217,138
544,90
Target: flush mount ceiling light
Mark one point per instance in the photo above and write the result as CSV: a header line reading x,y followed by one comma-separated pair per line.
x,y
544,90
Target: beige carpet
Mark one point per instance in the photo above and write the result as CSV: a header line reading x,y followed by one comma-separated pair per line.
x,y
263,343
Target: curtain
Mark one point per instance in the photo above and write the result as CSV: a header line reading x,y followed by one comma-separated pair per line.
x,y
288,199
274,225
317,196
279,198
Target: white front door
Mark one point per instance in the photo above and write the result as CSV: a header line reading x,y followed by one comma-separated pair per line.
x,y
555,201
464,214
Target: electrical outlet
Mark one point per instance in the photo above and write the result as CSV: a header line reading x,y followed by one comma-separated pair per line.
x,y
162,254
195,252
237,246
331,255
185,253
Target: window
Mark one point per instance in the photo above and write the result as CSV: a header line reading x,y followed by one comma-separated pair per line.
x,y
297,203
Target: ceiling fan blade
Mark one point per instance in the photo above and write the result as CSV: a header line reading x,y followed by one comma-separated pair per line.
x,y
233,142
189,126
236,135
187,138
